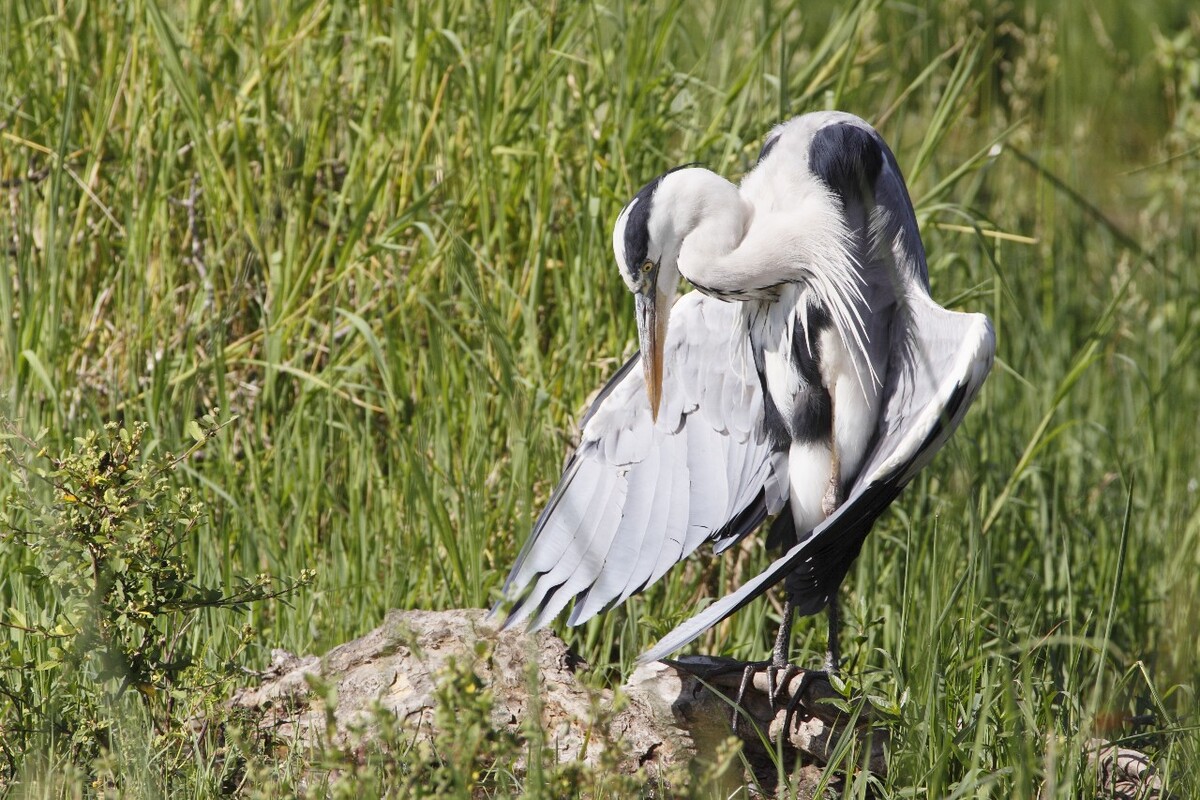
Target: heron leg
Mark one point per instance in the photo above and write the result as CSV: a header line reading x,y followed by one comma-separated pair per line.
x,y
833,658
783,640
779,670
833,655
747,675
832,500
748,671
834,494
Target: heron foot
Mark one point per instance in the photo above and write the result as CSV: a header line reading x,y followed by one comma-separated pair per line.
x,y
779,679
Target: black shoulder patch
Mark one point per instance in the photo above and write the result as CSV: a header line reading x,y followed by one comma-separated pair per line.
x,y
847,158
773,422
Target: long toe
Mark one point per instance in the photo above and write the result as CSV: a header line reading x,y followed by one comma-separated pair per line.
x,y
747,676
797,699
778,679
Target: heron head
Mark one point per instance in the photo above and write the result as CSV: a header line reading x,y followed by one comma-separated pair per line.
x,y
646,242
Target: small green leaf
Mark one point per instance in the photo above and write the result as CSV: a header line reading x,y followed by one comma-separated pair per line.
x,y
195,431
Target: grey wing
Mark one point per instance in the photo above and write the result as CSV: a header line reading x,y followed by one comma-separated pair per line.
x,y
934,373
637,497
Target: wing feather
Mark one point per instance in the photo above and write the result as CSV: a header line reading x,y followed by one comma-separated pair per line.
x,y
646,557
637,497
639,508
585,557
566,553
707,467
671,549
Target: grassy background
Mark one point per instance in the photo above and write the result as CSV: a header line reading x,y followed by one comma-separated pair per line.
x,y
380,235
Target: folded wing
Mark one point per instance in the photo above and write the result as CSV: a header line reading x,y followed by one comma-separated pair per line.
x,y
939,363
637,497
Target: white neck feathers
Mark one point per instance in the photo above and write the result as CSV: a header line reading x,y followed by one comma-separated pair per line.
x,y
728,247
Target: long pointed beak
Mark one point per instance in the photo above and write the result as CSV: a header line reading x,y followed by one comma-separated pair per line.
x,y
653,309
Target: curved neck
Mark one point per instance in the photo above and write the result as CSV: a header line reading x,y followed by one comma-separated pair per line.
x,y
709,219
723,253
729,248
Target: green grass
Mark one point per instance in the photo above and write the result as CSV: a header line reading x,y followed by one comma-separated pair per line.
x,y
380,236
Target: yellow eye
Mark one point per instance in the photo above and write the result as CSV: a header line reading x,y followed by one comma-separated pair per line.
x,y
649,265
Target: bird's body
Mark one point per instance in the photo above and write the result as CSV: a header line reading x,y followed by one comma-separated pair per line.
x,y
811,378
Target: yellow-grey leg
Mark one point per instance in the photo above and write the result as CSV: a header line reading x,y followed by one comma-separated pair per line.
x,y
833,490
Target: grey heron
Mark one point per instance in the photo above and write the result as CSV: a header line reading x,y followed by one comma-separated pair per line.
x,y
808,378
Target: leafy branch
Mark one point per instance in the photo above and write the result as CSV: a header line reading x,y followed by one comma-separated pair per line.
x,y
106,526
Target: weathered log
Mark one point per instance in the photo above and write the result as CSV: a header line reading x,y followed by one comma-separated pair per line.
x,y
674,714
671,715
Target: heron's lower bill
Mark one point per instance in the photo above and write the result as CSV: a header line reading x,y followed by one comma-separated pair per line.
x,y
652,313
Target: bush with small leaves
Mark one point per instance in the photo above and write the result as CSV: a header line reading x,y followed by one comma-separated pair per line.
x,y
110,594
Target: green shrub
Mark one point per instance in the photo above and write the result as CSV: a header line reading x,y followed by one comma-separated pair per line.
x,y
112,598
